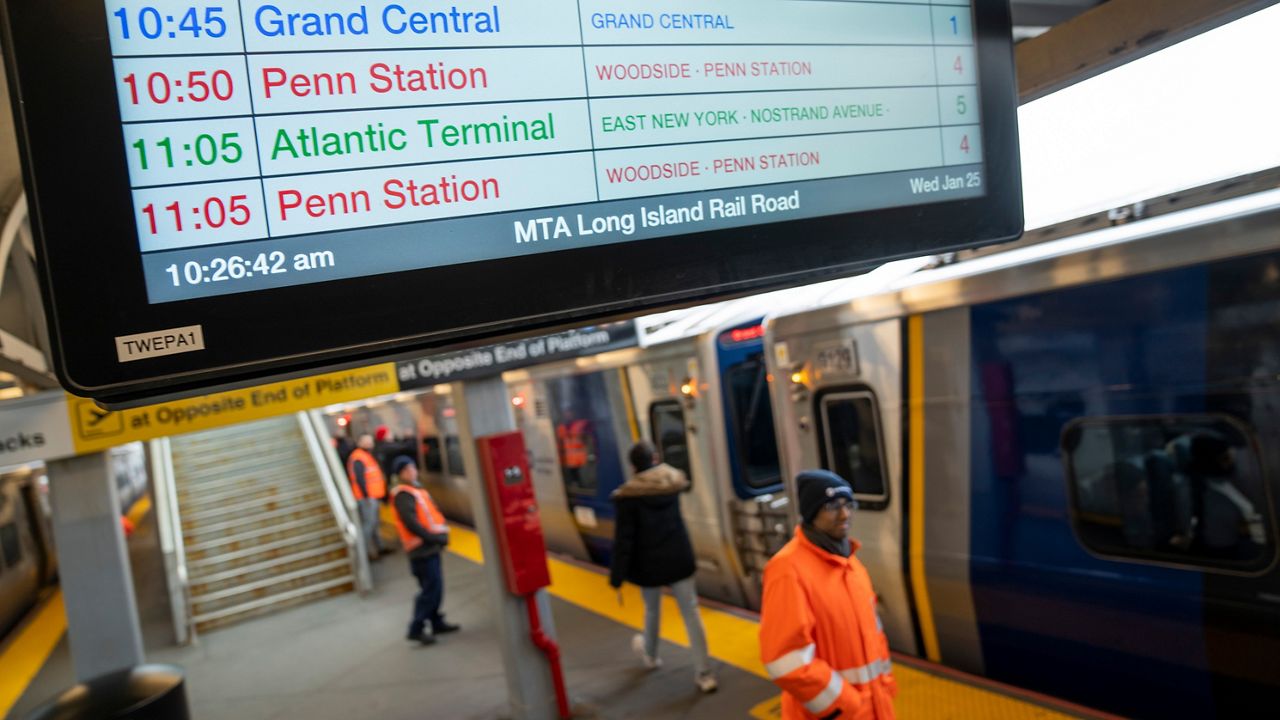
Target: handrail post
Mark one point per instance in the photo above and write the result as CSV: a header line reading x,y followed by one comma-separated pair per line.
x,y
325,462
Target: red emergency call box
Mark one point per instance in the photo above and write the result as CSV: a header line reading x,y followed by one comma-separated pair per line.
x,y
514,511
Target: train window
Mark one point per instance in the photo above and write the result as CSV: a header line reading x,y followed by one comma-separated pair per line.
x,y
748,387
666,419
453,449
1176,489
431,459
9,545
850,444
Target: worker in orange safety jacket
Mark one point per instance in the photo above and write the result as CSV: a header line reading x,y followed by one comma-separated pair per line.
x,y
369,486
571,437
820,634
423,534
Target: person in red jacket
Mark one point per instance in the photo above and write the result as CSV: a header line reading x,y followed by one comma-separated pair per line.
x,y
820,634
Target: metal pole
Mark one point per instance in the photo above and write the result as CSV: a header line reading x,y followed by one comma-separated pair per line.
x,y
484,408
93,566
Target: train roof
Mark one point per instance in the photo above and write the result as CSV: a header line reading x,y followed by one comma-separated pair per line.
x,y
1230,228
717,317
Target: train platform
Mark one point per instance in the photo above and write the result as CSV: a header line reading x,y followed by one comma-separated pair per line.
x,y
347,657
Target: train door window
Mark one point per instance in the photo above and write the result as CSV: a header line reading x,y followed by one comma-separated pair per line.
x,y
10,547
752,410
431,459
666,419
1175,489
453,449
850,444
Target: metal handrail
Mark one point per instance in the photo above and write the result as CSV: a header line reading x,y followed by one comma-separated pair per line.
x,y
169,523
339,495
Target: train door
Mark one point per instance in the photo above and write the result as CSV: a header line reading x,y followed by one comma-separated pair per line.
x,y
758,504
584,412
444,472
533,420
674,418
19,561
844,414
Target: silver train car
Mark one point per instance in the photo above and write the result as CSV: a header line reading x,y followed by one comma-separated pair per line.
x,y
697,387
27,560
1067,457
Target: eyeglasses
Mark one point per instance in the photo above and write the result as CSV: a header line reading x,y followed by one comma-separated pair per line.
x,y
837,504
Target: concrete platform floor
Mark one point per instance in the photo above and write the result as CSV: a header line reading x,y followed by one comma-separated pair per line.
x,y
346,657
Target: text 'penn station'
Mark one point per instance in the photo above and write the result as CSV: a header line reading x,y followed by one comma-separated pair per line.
x,y
397,19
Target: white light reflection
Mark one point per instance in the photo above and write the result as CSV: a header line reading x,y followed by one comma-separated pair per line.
x,y
1204,110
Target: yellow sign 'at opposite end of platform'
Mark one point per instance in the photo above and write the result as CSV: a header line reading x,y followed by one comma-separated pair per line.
x,y
96,429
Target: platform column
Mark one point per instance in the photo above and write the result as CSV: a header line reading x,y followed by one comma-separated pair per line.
x,y
484,408
93,566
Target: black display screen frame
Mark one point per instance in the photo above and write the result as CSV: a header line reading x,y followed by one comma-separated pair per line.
x,y
61,76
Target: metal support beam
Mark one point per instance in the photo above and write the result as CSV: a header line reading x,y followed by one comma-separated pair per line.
x,y
93,566
484,408
1113,34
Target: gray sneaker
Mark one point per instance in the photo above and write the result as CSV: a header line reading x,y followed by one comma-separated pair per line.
x,y
637,645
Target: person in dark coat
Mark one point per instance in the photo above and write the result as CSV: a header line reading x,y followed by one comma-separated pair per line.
x,y
651,549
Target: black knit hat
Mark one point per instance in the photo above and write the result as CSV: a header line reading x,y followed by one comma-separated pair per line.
x,y
817,487
400,463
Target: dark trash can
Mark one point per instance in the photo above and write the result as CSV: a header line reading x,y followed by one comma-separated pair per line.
x,y
146,692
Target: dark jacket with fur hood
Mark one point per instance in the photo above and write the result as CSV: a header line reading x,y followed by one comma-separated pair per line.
x,y
651,546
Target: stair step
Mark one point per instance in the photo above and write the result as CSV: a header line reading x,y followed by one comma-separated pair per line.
x,y
244,488
254,506
263,589
260,427
207,465
311,508
270,571
264,551
257,608
257,536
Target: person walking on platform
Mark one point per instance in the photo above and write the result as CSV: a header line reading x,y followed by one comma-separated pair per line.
x,y
820,634
423,533
651,549
369,485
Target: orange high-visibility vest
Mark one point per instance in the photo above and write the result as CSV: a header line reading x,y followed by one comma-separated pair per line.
x,y
820,635
573,444
373,478
429,517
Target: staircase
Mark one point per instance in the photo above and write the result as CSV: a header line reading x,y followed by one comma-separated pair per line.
x,y
260,529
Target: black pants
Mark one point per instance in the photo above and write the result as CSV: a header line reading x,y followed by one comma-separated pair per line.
x,y
426,607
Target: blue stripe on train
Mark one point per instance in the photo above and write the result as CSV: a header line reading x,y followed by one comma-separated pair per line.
x,y
1123,636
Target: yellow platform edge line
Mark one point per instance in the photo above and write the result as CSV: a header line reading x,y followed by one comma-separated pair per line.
x,y
734,640
731,639
915,404
29,650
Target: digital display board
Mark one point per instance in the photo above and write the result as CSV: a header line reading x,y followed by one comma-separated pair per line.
x,y
283,183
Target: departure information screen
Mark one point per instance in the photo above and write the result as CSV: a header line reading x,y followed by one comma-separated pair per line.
x,y
226,192
290,142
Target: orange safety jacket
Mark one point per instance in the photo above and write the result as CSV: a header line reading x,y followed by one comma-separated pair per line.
x,y
429,517
820,636
373,477
573,444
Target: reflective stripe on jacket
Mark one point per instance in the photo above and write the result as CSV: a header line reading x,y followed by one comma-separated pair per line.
x,y
429,517
820,636
373,478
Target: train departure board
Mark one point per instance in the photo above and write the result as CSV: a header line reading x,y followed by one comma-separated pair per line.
x,y
255,186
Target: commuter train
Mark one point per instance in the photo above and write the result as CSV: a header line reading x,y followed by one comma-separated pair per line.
x,y
1066,457
27,561
1065,453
